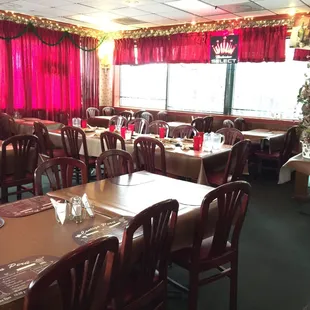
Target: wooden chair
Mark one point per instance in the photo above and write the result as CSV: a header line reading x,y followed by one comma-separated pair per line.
x,y
115,163
208,122
46,145
232,135
108,111
162,116
19,171
118,120
222,248
5,127
183,131
59,172
40,113
127,114
73,139
280,157
199,124
148,116
82,277
235,165
155,125
240,123
145,150
141,125
12,126
62,117
92,112
109,141
146,286
227,123
138,113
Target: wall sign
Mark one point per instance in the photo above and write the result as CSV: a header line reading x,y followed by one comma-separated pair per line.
x,y
224,49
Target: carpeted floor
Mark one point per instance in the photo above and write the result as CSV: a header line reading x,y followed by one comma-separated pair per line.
x,y
274,262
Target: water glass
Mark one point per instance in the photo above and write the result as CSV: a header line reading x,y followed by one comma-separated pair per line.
x,y
111,128
196,143
162,132
128,135
84,123
123,132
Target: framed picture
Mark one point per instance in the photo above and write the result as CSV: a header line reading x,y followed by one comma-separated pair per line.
x,y
300,36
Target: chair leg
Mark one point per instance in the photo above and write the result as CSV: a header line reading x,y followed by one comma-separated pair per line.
x,y
19,194
234,284
193,291
4,195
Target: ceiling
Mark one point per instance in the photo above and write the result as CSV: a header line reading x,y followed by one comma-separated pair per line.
x,y
114,15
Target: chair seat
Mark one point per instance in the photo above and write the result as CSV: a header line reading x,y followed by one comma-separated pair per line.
x,y
266,155
9,180
216,177
91,160
59,153
183,257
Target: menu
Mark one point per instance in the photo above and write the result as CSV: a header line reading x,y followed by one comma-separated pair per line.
x,y
15,277
112,227
26,207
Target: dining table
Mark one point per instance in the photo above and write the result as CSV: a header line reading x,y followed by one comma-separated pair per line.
x,y
33,239
25,126
99,121
186,163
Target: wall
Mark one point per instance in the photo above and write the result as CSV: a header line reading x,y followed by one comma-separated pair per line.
x,y
105,86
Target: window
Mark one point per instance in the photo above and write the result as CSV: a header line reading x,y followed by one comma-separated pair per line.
x,y
143,86
268,89
196,87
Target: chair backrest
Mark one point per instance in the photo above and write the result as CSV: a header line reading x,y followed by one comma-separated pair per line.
x,y
127,114
237,160
162,116
148,116
138,113
46,146
109,141
145,152
208,122
158,225
25,152
232,135
232,202
12,126
92,112
141,125
83,278
5,131
240,123
59,172
118,120
227,123
198,123
290,141
108,111
72,139
40,113
115,163
62,117
183,131
155,125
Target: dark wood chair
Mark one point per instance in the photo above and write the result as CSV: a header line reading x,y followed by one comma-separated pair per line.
x,y
115,163
46,145
232,135
220,249
235,165
145,285
240,123
148,116
199,124
18,170
6,126
72,139
59,172
92,112
127,114
118,120
40,113
109,141
62,117
141,125
138,113
227,123
12,126
155,125
183,131
162,116
108,111
279,158
145,150
82,277
208,122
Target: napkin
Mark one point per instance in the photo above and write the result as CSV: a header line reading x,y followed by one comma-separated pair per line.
x,y
61,210
87,206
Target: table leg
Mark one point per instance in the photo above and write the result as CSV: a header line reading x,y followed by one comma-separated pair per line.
x,y
301,186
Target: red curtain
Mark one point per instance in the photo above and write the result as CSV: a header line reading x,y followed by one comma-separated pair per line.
x,y
89,74
301,54
124,52
262,44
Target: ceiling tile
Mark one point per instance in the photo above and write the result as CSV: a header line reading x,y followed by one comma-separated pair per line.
x,y
179,15
156,8
241,7
222,2
222,17
78,8
49,3
130,12
276,4
154,18
291,10
255,13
